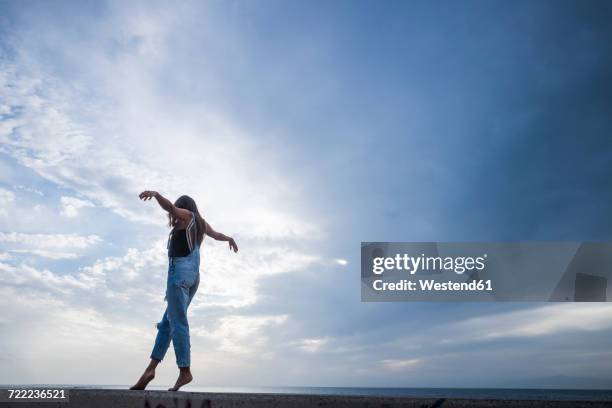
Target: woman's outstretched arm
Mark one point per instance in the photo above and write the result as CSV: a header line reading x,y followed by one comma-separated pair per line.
x,y
166,204
221,237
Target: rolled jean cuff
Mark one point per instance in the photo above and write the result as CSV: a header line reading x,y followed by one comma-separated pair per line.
x,y
155,357
183,364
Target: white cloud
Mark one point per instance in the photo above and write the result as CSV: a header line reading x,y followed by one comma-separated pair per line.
x,y
71,206
58,134
46,254
6,198
4,110
53,334
540,321
49,246
29,190
232,279
313,345
341,262
55,241
227,279
238,334
44,279
131,265
400,364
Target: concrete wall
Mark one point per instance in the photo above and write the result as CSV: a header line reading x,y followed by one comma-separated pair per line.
x,y
163,399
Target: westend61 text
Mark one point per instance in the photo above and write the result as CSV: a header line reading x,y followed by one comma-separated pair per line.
x,y
430,284
412,264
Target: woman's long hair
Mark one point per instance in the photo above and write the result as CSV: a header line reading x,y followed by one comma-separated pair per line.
x,y
188,203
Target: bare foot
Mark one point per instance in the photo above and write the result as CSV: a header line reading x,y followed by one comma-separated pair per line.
x,y
144,380
183,378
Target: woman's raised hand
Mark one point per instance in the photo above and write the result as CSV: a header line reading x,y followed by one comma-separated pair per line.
x,y
232,245
147,195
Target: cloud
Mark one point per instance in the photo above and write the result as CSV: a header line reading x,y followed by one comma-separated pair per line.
x,y
43,280
55,241
6,198
53,334
540,321
46,254
72,205
116,271
313,345
238,334
400,365
233,279
45,136
55,132
29,190
227,279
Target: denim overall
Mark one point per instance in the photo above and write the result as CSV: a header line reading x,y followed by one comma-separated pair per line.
x,y
183,281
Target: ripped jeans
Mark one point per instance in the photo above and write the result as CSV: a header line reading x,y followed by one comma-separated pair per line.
x,y
183,281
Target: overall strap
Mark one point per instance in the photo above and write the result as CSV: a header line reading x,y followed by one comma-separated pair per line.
x,y
169,238
192,233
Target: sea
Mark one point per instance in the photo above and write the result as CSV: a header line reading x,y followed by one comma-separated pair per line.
x,y
466,393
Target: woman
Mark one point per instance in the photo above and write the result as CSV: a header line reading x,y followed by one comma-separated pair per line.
x,y
188,230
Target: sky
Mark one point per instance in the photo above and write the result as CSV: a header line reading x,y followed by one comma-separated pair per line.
x,y
301,129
